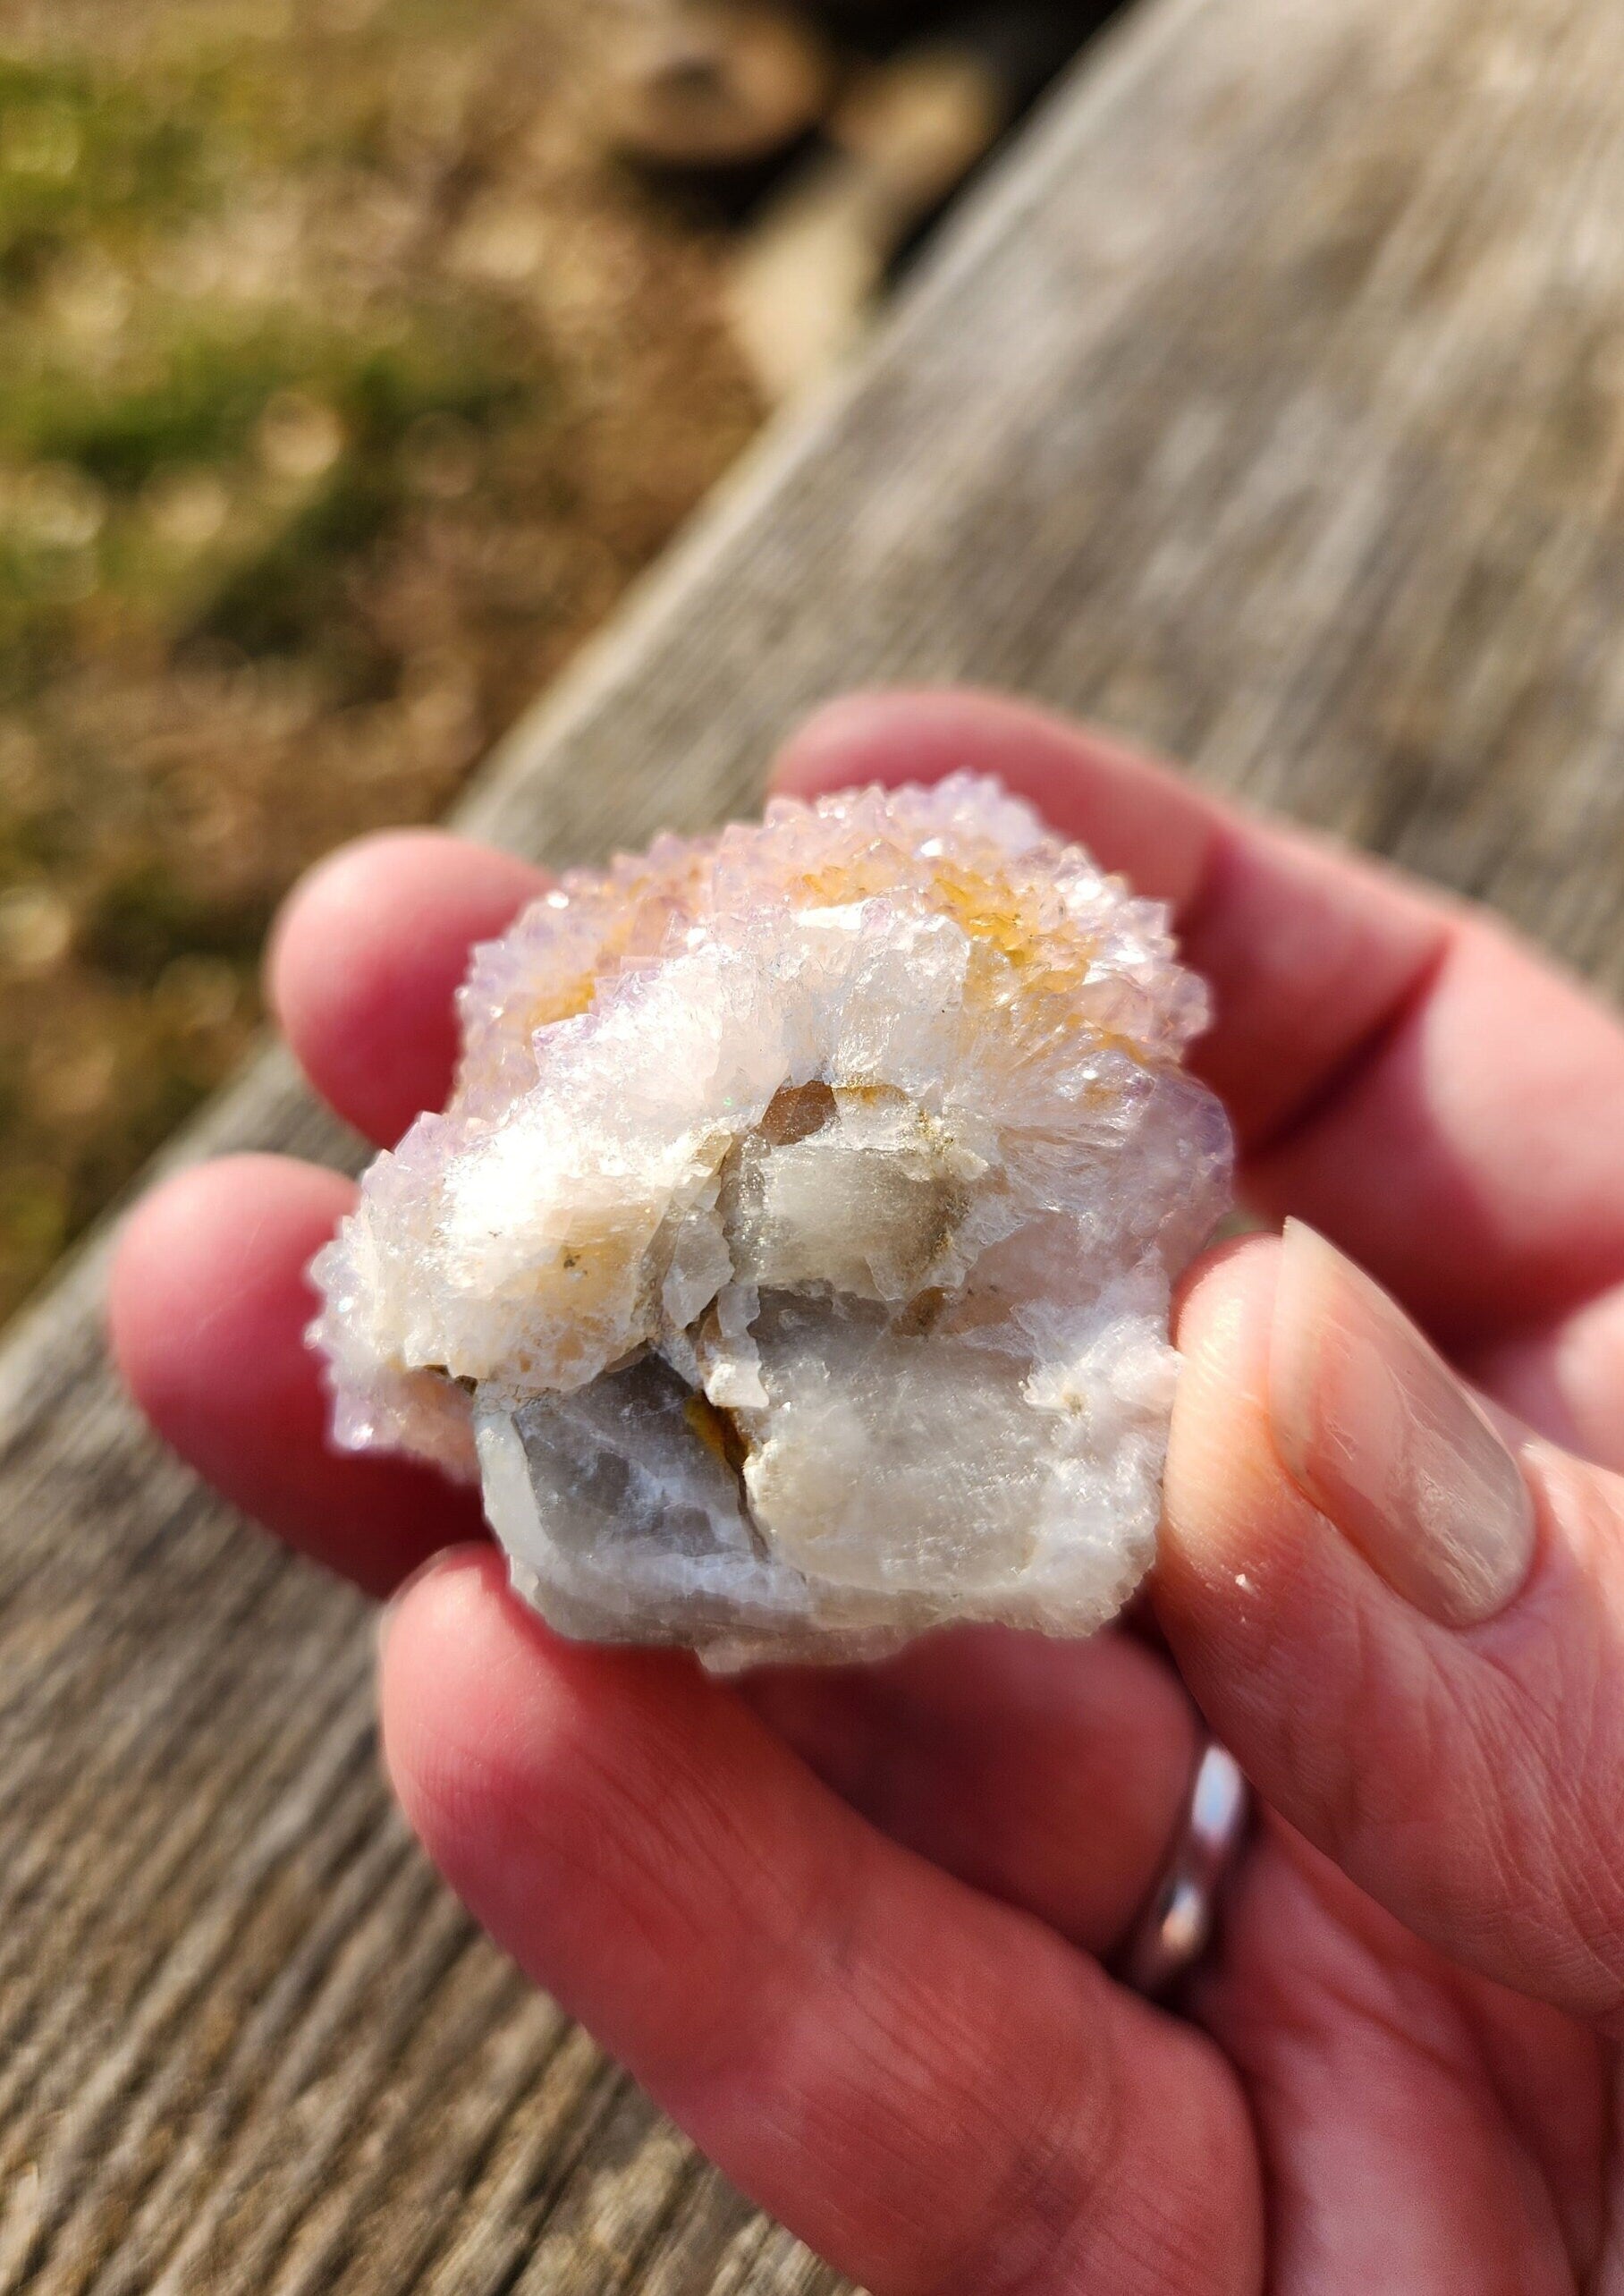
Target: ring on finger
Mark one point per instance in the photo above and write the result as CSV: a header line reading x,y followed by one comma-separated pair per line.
x,y
1174,1927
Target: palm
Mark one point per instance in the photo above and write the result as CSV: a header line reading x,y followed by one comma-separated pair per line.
x,y
1418,2128
851,1927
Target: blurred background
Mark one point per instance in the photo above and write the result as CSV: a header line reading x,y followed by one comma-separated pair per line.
x,y
355,355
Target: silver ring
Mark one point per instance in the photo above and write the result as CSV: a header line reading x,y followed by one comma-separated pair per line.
x,y
1175,1926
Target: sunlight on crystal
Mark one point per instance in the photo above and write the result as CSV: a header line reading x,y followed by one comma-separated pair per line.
x,y
793,1261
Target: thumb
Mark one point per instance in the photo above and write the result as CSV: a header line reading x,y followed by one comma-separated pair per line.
x,y
1408,1628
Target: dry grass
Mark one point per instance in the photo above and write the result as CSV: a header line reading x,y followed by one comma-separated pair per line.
x,y
344,382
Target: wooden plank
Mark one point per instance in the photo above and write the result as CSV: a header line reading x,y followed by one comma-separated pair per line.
x,y
1270,403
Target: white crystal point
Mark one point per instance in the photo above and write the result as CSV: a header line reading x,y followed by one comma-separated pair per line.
x,y
793,1261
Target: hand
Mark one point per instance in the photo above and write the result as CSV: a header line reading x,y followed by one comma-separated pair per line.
x,y
848,1927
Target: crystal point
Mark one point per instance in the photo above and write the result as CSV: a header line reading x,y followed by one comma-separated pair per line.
x,y
792,1261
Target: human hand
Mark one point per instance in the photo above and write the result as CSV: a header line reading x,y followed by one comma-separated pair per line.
x,y
848,1927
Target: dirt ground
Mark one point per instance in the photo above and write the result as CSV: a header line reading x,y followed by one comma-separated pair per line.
x,y
345,380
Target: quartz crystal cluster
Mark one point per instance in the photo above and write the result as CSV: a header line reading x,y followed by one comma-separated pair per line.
x,y
792,1262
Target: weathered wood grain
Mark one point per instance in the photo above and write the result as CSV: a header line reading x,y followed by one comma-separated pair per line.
x,y
1269,403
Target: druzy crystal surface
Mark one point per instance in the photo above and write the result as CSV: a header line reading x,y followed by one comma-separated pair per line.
x,y
792,1262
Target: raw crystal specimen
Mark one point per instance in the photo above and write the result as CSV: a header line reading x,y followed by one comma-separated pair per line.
x,y
792,1262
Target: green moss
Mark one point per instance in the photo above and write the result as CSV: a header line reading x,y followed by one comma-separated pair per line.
x,y
82,151
100,170
197,402
285,597
196,393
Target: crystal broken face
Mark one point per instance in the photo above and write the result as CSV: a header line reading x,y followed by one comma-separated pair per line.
x,y
792,1262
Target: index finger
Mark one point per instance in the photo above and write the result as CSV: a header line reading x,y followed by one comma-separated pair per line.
x,y
1402,1073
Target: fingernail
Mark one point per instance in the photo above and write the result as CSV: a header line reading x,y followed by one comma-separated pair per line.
x,y
1377,1431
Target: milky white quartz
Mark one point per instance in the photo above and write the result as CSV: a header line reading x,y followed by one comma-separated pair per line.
x,y
792,1262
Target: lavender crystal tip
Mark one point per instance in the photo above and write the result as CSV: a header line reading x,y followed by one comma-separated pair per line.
x,y
792,1263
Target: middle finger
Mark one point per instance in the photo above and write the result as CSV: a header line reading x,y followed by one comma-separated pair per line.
x,y
1051,1775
